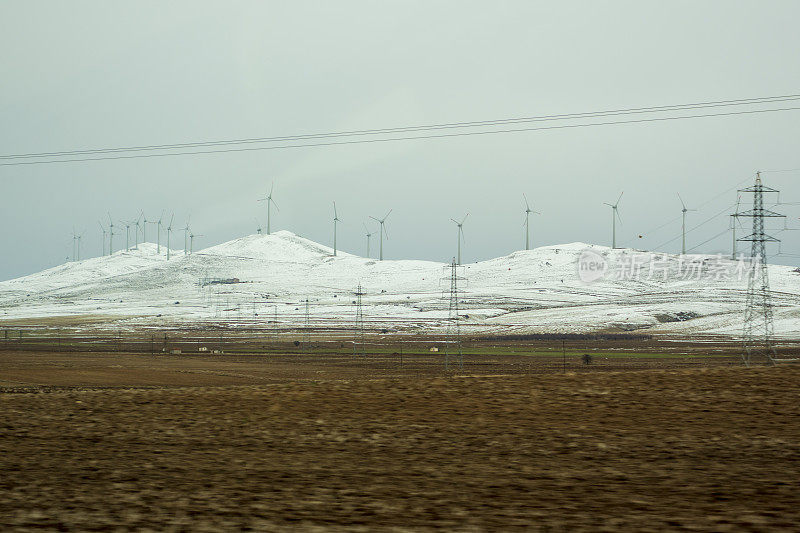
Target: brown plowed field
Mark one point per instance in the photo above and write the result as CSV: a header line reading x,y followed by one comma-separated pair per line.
x,y
100,443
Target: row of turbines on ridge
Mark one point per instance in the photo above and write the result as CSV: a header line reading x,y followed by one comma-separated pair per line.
x,y
139,226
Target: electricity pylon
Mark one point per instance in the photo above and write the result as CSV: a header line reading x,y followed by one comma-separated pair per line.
x,y
758,319
452,345
358,338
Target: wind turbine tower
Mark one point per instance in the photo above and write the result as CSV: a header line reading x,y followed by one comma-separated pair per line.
x,y
460,235
369,235
110,235
335,220
137,224
145,222
614,217
382,230
127,235
158,234
105,232
270,202
528,212
186,232
191,242
169,230
734,221
683,224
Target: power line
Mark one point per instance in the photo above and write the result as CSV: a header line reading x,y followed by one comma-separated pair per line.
x,y
407,138
590,114
726,210
699,206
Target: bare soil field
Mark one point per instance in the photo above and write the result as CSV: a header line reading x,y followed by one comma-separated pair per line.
x,y
125,441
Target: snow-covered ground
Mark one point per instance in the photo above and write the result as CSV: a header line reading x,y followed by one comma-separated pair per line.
x,y
531,291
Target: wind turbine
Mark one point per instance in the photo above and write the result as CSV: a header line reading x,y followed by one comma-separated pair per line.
x,y
270,201
127,235
110,235
683,224
79,245
169,230
734,221
528,212
460,235
382,230
158,238
186,235
368,234
335,220
145,222
191,241
614,217
104,236
138,220
74,244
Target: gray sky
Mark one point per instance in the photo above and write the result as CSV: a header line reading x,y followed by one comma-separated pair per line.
x,y
80,74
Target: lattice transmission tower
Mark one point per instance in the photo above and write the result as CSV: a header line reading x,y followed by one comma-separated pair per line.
x,y
758,320
358,337
453,354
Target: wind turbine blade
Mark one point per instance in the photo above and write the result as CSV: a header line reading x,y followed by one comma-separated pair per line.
x,y
617,212
271,188
365,227
375,219
384,231
527,206
620,197
465,218
461,231
608,204
681,199
387,214
273,203
454,220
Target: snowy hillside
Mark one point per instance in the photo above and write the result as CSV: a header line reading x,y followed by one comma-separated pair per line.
x,y
540,290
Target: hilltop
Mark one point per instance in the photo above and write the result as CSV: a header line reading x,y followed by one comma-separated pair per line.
x,y
528,291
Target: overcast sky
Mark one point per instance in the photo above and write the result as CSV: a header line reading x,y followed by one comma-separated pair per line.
x,y
80,75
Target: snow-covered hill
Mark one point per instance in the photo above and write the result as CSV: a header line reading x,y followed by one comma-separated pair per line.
x,y
540,290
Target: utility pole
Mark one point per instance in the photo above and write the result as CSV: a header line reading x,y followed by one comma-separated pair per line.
x,y
307,331
758,319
